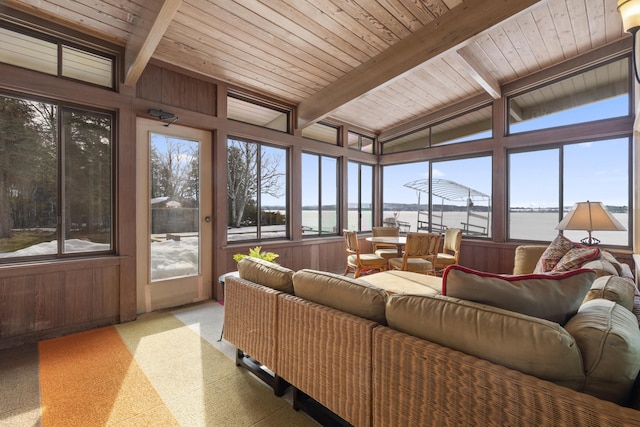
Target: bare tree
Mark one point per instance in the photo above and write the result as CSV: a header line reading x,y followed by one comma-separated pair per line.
x,y
244,161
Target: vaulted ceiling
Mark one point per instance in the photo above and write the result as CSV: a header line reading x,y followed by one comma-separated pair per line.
x,y
375,64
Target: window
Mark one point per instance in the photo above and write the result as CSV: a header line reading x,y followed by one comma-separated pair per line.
x,y
55,179
319,195
43,55
257,113
360,197
459,193
461,196
257,190
360,142
594,170
469,126
596,94
399,202
323,133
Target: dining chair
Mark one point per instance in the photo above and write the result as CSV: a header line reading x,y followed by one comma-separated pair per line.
x,y
450,249
359,262
385,250
419,253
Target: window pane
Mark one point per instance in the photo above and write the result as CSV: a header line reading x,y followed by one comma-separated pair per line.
x,y
28,178
242,163
366,198
28,52
467,127
310,194
600,93
322,133
597,171
87,182
329,195
175,207
461,196
360,142
412,141
534,195
256,114
360,197
399,202
86,66
319,195
257,190
273,194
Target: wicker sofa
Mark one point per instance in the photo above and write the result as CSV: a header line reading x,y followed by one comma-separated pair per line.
x,y
332,341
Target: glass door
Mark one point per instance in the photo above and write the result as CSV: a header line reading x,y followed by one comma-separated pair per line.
x,y
174,221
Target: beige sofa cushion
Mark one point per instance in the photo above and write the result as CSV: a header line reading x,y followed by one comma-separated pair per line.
x,y
555,297
609,340
343,293
526,258
266,273
527,344
617,289
406,282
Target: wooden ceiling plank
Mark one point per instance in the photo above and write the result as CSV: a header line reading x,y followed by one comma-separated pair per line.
x,y
452,29
595,18
274,19
521,44
318,22
146,36
404,15
579,24
69,19
613,22
422,11
562,22
223,20
382,15
531,32
225,54
188,30
503,55
550,38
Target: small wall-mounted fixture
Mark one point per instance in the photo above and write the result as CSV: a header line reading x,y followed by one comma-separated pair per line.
x,y
163,115
630,11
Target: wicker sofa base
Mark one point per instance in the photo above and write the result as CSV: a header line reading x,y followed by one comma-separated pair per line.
x,y
371,375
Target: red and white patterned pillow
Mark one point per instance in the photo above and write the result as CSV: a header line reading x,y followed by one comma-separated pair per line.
x,y
576,257
553,254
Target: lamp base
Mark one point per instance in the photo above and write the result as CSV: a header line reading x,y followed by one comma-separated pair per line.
x,y
590,241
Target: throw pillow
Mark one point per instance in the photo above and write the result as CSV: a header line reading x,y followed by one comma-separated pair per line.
x,y
554,297
576,257
553,254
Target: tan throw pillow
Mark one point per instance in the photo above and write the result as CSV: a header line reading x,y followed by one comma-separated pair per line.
x,y
266,273
527,344
343,293
555,297
613,288
553,254
609,340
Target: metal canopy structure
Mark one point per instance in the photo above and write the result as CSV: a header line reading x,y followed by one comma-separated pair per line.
x,y
454,192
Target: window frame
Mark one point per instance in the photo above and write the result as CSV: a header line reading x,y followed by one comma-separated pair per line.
x,y
258,225
61,108
338,210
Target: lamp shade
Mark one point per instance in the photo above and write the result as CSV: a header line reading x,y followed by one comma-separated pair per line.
x,y
630,11
590,216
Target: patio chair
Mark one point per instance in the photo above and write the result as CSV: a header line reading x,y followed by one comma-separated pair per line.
x,y
359,262
450,249
385,250
419,254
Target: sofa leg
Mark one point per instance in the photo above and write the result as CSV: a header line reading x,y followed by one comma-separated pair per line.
x,y
296,399
279,385
239,357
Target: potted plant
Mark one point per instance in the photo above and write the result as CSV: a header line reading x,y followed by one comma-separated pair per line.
x,y
257,252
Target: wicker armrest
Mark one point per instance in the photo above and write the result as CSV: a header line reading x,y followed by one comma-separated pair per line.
x,y
250,319
326,353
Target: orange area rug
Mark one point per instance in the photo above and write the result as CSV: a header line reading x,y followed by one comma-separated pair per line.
x,y
91,379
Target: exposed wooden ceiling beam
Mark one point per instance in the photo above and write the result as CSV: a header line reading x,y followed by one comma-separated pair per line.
x,y
471,66
434,39
150,28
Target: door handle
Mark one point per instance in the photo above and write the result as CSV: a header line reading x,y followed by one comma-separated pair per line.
x,y
207,219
